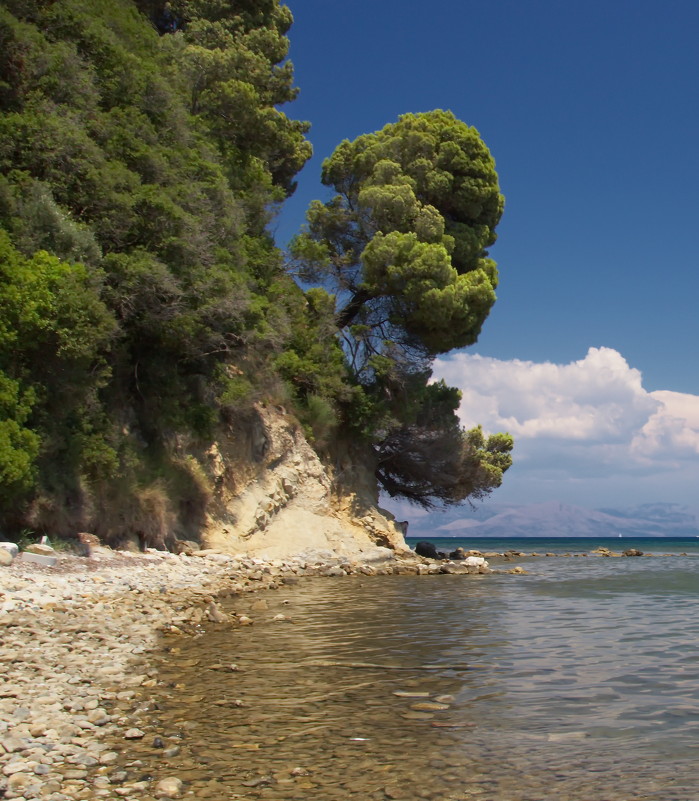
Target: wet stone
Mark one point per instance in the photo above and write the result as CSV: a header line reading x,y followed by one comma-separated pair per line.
x,y
417,715
170,787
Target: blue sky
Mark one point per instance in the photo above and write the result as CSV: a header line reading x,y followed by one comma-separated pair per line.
x,y
591,112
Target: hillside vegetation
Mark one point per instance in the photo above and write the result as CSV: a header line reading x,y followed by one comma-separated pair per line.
x,y
145,311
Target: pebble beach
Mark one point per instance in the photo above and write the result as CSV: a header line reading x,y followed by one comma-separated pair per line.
x,y
74,644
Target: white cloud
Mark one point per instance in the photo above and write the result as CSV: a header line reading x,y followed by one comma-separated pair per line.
x,y
587,421
673,430
599,398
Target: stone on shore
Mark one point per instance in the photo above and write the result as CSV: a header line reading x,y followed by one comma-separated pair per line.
x,y
84,629
40,548
40,559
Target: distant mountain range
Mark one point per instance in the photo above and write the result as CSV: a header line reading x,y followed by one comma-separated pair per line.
x,y
560,520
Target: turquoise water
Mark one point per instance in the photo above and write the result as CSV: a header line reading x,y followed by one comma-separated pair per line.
x,y
578,681
559,545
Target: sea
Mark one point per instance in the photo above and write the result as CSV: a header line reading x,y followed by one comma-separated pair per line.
x,y
577,680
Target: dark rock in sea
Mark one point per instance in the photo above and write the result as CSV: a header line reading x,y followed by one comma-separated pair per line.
x,y
428,550
458,553
632,552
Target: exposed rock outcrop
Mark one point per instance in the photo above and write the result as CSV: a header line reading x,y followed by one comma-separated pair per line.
x,y
284,501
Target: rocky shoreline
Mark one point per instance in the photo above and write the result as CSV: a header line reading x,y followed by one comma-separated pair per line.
x,y
75,639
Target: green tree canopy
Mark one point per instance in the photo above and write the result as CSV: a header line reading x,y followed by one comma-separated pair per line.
x,y
404,241
403,244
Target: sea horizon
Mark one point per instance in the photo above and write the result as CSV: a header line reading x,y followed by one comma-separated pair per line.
x,y
562,544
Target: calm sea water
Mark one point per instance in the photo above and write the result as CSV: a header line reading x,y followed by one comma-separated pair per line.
x,y
561,545
576,681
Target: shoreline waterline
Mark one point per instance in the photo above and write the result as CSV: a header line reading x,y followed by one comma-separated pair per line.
x,y
77,648
572,681
366,669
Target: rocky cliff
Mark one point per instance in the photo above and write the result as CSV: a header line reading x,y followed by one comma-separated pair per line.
x,y
273,497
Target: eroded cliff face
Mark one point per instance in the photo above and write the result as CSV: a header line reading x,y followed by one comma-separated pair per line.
x,y
274,497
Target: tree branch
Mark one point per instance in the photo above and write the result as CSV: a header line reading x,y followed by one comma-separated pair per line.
x,y
345,316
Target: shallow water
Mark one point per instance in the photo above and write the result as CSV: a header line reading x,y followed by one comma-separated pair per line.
x,y
578,681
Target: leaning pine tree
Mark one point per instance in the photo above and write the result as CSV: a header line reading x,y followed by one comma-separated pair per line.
x,y
403,246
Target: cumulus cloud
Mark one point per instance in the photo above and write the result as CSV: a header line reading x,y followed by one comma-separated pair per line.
x,y
598,398
590,419
673,430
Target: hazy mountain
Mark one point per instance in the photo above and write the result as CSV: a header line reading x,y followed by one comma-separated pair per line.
x,y
562,520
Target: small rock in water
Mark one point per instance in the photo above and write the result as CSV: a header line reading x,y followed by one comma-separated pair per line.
x,y
134,734
216,614
259,782
429,706
98,717
169,788
564,736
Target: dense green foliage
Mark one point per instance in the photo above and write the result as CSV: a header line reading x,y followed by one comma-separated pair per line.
x,y
404,240
148,167
143,303
403,245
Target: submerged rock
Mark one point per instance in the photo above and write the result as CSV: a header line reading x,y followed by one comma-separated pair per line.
x,y
169,788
